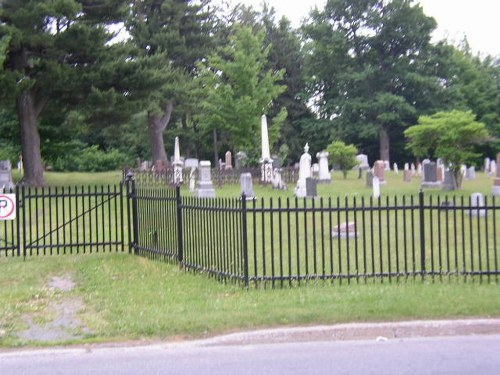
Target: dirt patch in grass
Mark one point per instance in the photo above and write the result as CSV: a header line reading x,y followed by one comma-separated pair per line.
x,y
58,321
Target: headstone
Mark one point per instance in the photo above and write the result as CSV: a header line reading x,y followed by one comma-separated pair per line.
x,y
395,168
276,162
463,170
493,168
419,169
487,164
311,188
192,179
345,230
205,186
315,171
178,163
430,175
246,183
495,190
440,172
304,173
362,162
6,181
476,202
449,181
324,173
470,174
379,171
277,181
376,187
191,163
413,170
20,164
265,160
229,160
387,165
369,179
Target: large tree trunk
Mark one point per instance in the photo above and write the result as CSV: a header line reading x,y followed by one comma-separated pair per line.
x,y
384,144
30,140
156,126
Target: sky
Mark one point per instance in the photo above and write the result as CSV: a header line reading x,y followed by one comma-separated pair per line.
x,y
475,19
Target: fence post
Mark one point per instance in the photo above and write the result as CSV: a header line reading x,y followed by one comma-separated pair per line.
x,y
180,243
244,239
18,221
422,231
135,215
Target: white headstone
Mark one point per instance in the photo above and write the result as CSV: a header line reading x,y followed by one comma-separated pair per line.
x,y
362,162
396,169
246,183
324,173
304,172
266,154
476,202
376,187
205,186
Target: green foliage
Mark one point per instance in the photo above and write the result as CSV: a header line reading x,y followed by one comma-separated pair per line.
x,y
369,65
343,156
450,136
239,89
88,159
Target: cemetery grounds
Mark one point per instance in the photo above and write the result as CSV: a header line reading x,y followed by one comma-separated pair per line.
x,y
97,298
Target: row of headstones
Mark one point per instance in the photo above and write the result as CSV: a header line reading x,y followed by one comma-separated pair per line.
x,y
6,181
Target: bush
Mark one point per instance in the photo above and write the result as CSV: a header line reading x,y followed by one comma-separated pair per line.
x,y
91,159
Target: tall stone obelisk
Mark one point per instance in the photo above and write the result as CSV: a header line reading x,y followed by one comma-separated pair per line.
x,y
177,162
265,160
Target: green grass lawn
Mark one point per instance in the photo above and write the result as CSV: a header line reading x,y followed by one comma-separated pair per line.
x,y
132,298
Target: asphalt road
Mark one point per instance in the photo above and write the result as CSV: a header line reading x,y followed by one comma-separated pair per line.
x,y
473,354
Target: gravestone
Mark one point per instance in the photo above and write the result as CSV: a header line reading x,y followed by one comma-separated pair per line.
x,y
376,187
449,182
470,174
487,164
495,190
311,188
229,160
191,163
324,173
205,186
463,170
395,168
369,179
192,179
20,164
304,173
387,165
159,167
277,180
362,162
6,181
345,230
429,175
493,168
419,169
379,171
440,172
476,202
413,169
246,183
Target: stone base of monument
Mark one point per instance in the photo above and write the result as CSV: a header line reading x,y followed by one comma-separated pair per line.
x,y
430,184
205,190
345,230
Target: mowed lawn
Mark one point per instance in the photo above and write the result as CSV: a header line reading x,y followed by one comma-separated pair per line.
x,y
116,297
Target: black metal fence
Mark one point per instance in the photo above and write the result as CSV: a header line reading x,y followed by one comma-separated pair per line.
x,y
289,241
273,242
51,221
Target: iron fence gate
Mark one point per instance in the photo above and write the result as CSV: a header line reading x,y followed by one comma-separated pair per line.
x,y
67,220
